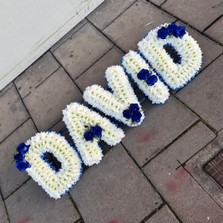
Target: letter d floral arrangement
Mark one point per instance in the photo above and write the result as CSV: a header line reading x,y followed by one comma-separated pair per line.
x,y
153,68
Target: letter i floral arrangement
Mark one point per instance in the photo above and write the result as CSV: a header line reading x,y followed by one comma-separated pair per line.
x,y
152,68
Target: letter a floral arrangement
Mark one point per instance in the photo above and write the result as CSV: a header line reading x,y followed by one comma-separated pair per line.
x,y
152,68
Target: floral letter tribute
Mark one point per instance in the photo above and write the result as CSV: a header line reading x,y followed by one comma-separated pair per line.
x,y
167,57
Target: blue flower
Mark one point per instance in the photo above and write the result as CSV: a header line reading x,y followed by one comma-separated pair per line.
x,y
147,76
22,165
151,80
180,31
19,157
162,33
133,113
89,135
172,29
95,131
22,148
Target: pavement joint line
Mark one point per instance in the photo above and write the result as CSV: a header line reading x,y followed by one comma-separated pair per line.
x,y
201,70
106,36
200,185
70,33
201,119
15,130
41,83
164,201
114,18
212,23
30,116
173,141
181,20
75,206
6,209
68,74
14,191
152,213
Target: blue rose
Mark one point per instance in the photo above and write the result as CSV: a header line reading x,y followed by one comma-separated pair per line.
x,y
88,135
151,80
22,148
19,157
162,33
171,28
133,113
180,31
22,165
97,131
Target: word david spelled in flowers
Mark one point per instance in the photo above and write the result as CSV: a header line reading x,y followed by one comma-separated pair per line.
x,y
152,68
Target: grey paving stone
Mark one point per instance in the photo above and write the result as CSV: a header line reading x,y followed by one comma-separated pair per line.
x,y
68,35
187,199
197,13
82,49
209,48
32,204
108,11
157,2
3,214
96,73
12,112
128,29
10,177
205,94
114,191
196,168
46,103
36,74
216,31
164,215
163,123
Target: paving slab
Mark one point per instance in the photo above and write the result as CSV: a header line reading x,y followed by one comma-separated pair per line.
x,y
196,168
205,93
187,199
12,112
31,204
129,28
157,2
46,103
216,31
108,11
82,49
36,74
162,124
210,49
3,213
197,13
10,177
68,35
96,73
164,215
115,191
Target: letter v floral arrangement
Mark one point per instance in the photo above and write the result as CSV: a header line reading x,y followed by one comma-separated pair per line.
x,y
153,68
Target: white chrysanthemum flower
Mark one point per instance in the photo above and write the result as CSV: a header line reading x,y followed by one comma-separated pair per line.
x,y
114,104
176,75
54,183
133,63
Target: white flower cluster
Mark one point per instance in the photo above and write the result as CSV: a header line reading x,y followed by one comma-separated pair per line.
x,y
175,75
54,183
78,118
133,63
113,104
